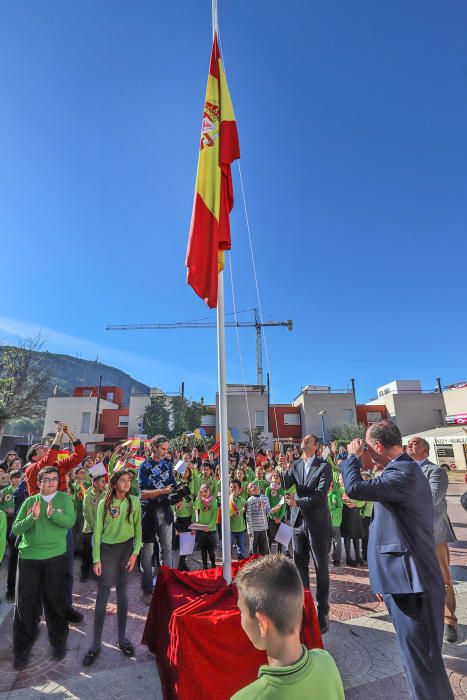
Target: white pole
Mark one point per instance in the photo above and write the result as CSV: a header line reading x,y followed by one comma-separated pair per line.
x,y
214,18
224,449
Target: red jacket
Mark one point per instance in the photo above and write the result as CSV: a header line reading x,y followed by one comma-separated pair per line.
x,y
50,459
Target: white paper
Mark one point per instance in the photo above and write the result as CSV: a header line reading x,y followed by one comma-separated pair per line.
x,y
325,452
284,534
187,543
181,467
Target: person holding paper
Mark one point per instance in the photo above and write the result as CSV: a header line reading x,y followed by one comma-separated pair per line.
x,y
183,509
311,475
205,511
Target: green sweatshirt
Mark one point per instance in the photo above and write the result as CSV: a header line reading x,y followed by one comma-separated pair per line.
x,y
212,482
335,506
206,517
315,675
262,484
3,526
45,537
90,503
184,509
274,498
6,500
237,522
250,474
367,510
115,528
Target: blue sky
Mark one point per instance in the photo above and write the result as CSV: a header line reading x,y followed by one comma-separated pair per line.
x,y
351,119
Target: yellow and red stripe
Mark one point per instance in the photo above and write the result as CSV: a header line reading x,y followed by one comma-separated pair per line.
x,y
219,147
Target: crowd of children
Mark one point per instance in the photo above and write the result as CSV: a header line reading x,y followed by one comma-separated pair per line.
x,y
105,517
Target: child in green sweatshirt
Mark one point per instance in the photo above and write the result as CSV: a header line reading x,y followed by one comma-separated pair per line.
x,y
276,497
205,510
183,510
270,600
237,519
116,544
92,498
42,523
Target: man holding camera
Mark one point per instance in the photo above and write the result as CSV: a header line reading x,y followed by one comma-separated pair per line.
x,y
156,481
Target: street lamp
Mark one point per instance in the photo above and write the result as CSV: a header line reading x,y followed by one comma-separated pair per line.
x,y
322,414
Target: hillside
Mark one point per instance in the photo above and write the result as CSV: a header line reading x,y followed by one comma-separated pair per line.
x,y
67,372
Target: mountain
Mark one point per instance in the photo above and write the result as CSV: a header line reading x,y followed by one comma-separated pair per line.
x,y
67,372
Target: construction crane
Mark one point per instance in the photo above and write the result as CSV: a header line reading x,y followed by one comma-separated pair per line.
x,y
257,324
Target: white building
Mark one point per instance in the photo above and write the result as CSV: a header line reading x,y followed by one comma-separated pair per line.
x,y
318,403
247,406
410,407
79,412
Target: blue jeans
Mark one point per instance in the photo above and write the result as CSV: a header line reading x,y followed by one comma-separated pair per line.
x,y
238,538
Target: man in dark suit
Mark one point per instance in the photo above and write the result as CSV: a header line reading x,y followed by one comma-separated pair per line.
x,y
311,521
419,450
401,555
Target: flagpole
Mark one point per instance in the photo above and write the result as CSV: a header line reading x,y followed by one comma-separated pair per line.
x,y
223,448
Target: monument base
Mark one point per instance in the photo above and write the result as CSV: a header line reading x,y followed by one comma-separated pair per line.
x,y
193,628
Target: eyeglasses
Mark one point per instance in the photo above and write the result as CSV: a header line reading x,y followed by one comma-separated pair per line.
x,y
50,480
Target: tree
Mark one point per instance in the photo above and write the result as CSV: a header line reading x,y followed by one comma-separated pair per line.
x,y
156,417
256,437
23,380
346,432
186,415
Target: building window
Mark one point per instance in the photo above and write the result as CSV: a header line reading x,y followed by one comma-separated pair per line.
x,y
347,415
373,417
259,419
110,395
291,419
123,421
86,423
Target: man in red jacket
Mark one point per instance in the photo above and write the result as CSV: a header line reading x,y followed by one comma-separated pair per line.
x,y
38,457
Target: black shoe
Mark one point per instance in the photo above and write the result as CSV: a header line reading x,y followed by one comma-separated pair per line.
x,y
450,634
127,648
360,562
351,562
59,653
73,615
323,623
10,596
90,657
336,563
20,662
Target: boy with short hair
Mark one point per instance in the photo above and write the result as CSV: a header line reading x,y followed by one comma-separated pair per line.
x,y
257,510
270,600
260,480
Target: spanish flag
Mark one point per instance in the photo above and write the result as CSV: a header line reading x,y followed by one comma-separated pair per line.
x,y
219,147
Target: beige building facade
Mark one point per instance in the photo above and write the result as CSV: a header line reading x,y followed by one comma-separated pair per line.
x,y
411,408
338,408
79,412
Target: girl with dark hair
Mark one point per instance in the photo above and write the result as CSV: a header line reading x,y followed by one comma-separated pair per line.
x,y
116,544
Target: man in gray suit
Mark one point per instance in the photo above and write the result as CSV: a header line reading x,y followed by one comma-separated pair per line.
x,y
419,450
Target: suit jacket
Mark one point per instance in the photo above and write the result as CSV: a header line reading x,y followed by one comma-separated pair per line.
x,y
401,546
439,481
312,493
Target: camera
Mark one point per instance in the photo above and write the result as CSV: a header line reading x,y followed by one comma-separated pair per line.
x,y
180,492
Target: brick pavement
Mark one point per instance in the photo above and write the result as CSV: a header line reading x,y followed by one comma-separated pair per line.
x,y
361,639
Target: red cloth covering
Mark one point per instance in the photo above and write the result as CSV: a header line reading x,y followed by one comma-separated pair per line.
x,y
194,629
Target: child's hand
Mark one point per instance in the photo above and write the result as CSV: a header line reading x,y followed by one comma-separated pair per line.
x,y
131,562
97,568
205,529
50,510
277,521
36,510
